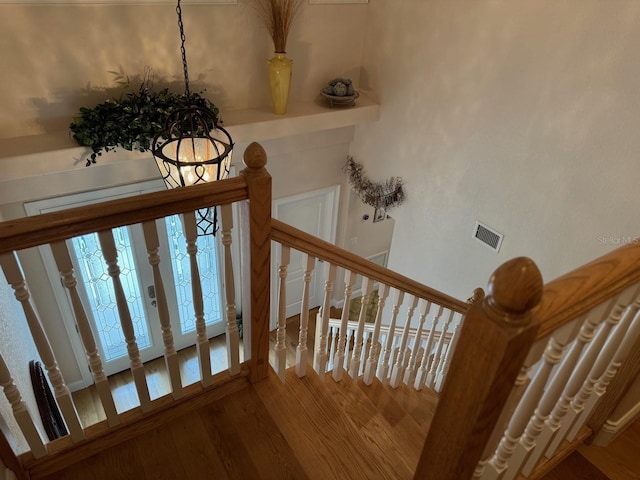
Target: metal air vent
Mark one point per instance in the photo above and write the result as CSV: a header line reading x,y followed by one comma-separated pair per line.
x,y
488,236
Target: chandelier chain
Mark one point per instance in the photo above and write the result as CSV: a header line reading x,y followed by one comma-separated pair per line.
x,y
182,49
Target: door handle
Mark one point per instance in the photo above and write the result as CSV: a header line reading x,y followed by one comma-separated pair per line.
x,y
151,291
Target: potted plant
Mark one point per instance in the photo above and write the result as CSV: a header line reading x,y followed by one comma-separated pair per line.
x,y
131,121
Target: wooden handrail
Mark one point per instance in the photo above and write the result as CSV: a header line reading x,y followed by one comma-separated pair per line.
x,y
50,227
294,238
578,291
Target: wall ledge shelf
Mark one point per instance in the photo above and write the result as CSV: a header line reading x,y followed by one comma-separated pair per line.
x,y
49,158
22,156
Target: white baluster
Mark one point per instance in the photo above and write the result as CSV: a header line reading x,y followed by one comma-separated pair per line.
x,y
410,372
65,267
514,397
438,357
451,348
320,359
539,431
383,341
370,365
347,350
398,366
364,353
301,349
108,246
202,342
421,374
13,274
170,354
562,414
281,347
21,413
383,369
354,367
614,352
333,336
500,466
621,355
338,364
231,329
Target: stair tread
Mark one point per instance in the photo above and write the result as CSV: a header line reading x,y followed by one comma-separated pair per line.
x,y
396,403
376,405
248,440
336,432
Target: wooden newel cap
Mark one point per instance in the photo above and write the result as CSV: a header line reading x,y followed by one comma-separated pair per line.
x,y
515,287
255,157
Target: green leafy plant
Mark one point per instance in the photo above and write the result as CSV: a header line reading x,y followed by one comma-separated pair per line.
x,y
131,121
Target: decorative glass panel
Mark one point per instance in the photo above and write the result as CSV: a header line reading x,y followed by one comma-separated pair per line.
x,y
101,294
207,264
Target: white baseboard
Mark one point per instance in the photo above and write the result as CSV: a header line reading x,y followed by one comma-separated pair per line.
x,y
611,429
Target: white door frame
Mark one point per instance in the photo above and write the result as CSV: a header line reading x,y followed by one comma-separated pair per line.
x,y
60,294
331,197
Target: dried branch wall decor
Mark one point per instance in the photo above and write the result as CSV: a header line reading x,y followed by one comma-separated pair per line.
x,y
384,195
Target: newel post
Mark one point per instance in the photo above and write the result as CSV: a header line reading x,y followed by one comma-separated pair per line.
x,y
259,219
496,335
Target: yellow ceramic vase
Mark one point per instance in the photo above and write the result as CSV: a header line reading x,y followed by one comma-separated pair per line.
x,y
280,81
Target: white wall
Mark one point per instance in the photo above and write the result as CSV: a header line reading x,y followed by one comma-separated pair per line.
x,y
56,58
521,114
17,350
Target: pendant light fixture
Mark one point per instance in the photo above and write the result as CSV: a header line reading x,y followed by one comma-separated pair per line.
x,y
193,148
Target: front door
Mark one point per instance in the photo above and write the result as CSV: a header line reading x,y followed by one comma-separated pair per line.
x,y
96,288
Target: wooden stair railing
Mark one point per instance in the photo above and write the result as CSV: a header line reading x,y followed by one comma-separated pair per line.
x,y
494,420
366,348
252,189
517,421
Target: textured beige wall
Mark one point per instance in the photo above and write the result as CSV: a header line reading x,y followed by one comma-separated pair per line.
x,y
521,114
17,350
58,58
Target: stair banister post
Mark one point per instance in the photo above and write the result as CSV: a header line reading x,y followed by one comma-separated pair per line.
x,y
259,189
495,338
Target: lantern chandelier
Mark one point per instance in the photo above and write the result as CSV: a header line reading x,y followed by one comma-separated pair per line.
x,y
193,148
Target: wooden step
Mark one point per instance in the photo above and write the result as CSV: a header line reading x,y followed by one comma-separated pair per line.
x,y
404,400
337,432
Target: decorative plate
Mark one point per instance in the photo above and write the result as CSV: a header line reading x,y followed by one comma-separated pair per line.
x,y
346,101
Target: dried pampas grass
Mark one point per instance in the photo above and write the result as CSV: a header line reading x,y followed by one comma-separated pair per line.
x,y
278,17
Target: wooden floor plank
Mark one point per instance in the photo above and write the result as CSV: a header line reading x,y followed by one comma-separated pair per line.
x,y
621,459
421,405
575,467
325,441
197,454
244,416
399,443
229,447
117,463
159,455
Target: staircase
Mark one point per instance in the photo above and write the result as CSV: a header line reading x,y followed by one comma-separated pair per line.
x,y
523,376
264,431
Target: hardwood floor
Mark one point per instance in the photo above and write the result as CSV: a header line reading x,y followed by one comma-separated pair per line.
x,y
124,393
302,429
265,430
618,461
88,403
